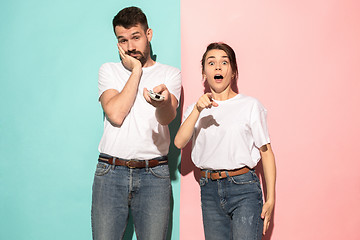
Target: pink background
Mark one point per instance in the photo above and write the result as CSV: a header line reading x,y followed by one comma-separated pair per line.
x,y
301,59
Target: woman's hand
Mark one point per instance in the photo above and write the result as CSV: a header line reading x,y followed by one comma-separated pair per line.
x,y
205,101
266,214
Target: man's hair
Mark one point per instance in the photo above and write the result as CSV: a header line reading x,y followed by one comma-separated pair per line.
x,y
232,58
129,17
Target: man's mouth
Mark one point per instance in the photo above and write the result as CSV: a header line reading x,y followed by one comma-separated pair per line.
x,y
218,76
134,53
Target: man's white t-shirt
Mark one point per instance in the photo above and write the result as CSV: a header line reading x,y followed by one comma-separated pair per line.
x,y
229,136
140,136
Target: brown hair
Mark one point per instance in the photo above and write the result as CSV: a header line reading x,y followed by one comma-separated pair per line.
x,y
232,58
129,17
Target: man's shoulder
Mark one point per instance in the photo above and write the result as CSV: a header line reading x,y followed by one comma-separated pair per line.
x,y
112,66
167,68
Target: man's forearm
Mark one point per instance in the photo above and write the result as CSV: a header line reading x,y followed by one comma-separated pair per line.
x,y
117,106
167,113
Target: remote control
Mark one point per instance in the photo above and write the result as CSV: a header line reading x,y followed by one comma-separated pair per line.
x,y
156,96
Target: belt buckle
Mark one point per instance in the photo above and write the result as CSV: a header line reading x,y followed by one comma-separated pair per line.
x,y
128,164
217,175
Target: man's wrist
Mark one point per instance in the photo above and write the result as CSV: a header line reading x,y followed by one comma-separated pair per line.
x,y
137,70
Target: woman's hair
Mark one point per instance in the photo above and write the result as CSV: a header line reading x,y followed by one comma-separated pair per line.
x,y
232,58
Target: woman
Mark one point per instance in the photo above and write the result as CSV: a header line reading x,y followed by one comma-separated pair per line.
x,y
230,136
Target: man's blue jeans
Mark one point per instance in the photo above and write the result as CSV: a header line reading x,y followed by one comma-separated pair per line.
x,y
146,191
232,207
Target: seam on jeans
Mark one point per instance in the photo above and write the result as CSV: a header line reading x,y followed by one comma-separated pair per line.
x,y
258,234
157,175
102,173
203,181
242,183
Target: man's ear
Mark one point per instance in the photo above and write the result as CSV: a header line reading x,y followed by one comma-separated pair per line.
x,y
149,34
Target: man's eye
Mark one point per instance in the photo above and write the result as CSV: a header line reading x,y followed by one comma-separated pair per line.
x,y
122,41
136,37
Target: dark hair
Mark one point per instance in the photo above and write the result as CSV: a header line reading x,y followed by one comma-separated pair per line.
x,y
129,17
232,58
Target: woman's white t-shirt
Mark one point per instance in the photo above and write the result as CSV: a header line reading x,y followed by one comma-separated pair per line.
x,y
229,136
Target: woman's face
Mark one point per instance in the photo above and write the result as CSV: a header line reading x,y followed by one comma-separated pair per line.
x,y
217,70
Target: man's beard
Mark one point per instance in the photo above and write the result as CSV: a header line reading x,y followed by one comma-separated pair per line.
x,y
142,57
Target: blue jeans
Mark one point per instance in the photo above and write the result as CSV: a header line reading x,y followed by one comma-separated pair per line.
x,y
146,191
231,207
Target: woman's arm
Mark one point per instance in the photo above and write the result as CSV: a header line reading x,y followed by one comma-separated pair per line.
x,y
187,128
268,161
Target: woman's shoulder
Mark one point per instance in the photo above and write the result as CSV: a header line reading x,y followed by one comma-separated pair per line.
x,y
248,99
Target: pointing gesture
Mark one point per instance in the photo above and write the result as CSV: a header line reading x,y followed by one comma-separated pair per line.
x,y
205,101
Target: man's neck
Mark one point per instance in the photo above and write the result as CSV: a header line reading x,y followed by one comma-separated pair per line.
x,y
149,63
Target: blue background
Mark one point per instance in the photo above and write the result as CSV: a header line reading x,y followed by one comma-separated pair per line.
x,y
51,120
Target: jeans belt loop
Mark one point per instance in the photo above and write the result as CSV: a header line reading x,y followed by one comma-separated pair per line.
x,y
206,175
147,165
220,176
227,174
113,163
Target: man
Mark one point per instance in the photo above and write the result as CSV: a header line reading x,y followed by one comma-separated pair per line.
x,y
132,172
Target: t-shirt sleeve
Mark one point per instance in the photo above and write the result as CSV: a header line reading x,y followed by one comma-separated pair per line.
x,y
188,111
106,79
173,82
258,123
186,115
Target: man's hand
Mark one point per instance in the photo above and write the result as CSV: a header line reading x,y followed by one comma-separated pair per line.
x,y
129,62
161,89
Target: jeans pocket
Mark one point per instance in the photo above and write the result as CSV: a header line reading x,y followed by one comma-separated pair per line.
x,y
160,171
242,179
203,181
102,169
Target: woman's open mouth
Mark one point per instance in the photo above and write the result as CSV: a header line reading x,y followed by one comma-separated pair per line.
x,y
218,78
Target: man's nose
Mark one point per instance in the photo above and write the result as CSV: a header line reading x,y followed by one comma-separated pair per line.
x,y
131,45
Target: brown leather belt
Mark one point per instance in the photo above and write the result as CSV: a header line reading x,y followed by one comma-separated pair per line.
x,y
215,175
134,163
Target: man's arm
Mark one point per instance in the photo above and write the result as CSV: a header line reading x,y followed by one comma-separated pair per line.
x,y
117,105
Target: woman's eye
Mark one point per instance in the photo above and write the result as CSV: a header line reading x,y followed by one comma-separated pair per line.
x,y
224,62
211,63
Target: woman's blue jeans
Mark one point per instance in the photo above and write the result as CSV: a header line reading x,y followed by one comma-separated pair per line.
x,y
146,191
231,207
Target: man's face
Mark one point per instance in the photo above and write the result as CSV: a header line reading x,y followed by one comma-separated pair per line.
x,y
135,41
